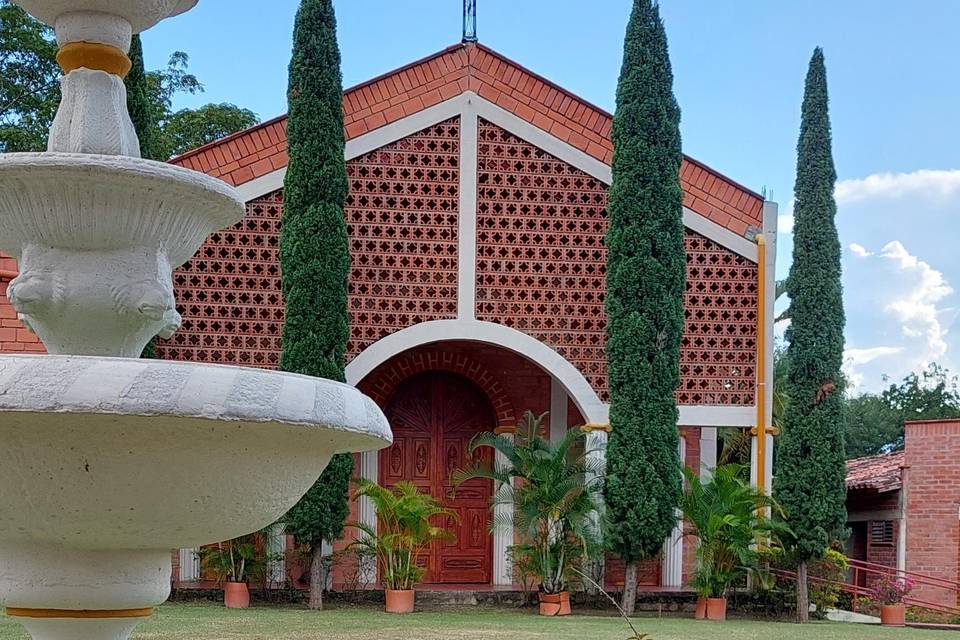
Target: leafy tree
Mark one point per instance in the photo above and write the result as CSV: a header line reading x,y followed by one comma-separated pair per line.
x,y
875,420
30,94
314,251
29,80
188,129
810,482
646,269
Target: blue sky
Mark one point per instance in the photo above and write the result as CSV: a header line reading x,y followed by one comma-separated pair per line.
x,y
739,68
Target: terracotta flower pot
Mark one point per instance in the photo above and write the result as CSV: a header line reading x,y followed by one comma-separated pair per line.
x,y
893,615
236,595
555,604
716,608
700,613
400,601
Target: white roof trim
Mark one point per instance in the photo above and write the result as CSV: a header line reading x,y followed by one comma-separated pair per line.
x,y
721,235
470,102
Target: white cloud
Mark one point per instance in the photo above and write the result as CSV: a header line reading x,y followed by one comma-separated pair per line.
x,y
859,250
917,311
936,183
914,306
863,356
852,358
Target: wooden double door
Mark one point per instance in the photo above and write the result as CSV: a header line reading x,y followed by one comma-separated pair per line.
x,y
433,416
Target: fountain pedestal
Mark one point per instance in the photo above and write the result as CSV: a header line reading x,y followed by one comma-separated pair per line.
x,y
110,462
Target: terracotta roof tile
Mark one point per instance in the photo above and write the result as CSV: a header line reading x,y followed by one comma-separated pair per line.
x,y
880,473
513,88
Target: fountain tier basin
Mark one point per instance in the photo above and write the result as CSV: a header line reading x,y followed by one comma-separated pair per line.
x,y
101,202
139,14
110,462
97,238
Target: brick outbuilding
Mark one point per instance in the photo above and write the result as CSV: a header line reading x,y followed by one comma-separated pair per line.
x,y
904,507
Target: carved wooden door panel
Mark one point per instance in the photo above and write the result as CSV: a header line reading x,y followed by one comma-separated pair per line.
x,y
434,415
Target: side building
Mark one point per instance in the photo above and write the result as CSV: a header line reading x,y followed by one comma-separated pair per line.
x,y
476,215
904,512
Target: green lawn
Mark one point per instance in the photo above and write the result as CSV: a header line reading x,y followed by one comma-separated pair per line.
x,y
211,622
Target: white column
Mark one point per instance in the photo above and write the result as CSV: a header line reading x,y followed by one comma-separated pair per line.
x,y
902,529
502,536
189,564
558,411
276,545
596,448
467,230
366,514
672,561
708,452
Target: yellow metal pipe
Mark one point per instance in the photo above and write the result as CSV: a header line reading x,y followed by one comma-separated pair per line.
x,y
760,431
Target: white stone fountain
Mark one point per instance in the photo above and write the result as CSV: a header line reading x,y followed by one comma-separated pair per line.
x,y
107,462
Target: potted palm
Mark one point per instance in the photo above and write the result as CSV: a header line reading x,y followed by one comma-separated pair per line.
x,y
403,532
727,515
554,506
890,591
233,563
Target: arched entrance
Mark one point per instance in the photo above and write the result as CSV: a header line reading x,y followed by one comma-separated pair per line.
x,y
433,416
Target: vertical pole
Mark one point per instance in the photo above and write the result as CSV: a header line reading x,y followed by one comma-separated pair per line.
x,y
760,431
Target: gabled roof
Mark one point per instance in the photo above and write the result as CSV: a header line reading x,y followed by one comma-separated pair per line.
x,y
880,473
260,150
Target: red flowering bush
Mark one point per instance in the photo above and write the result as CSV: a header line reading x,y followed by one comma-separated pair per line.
x,y
891,590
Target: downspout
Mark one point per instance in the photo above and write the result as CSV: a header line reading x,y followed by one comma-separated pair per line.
x,y
761,429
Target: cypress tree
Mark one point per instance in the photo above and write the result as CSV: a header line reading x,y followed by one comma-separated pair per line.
x,y
138,105
138,101
314,253
810,481
646,271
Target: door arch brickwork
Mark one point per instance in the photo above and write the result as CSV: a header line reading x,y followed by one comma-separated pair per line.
x,y
380,384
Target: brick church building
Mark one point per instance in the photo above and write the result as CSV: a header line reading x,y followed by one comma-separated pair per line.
x,y
476,215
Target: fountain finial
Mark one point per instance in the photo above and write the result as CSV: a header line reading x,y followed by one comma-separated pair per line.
x,y
94,38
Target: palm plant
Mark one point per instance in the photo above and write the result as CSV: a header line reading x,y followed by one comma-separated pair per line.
x,y
728,515
404,531
236,560
555,508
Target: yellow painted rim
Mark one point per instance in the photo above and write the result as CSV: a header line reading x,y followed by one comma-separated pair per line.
x,y
93,55
79,613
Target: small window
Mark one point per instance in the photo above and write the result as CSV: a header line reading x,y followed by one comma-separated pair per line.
x,y
881,532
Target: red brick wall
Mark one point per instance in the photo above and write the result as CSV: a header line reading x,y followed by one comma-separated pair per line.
x,y
14,337
933,500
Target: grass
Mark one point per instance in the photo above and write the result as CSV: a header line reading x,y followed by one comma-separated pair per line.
x,y
212,622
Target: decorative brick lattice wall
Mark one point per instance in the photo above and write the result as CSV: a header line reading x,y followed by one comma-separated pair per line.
x,y
229,294
540,254
402,220
719,353
403,217
541,267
